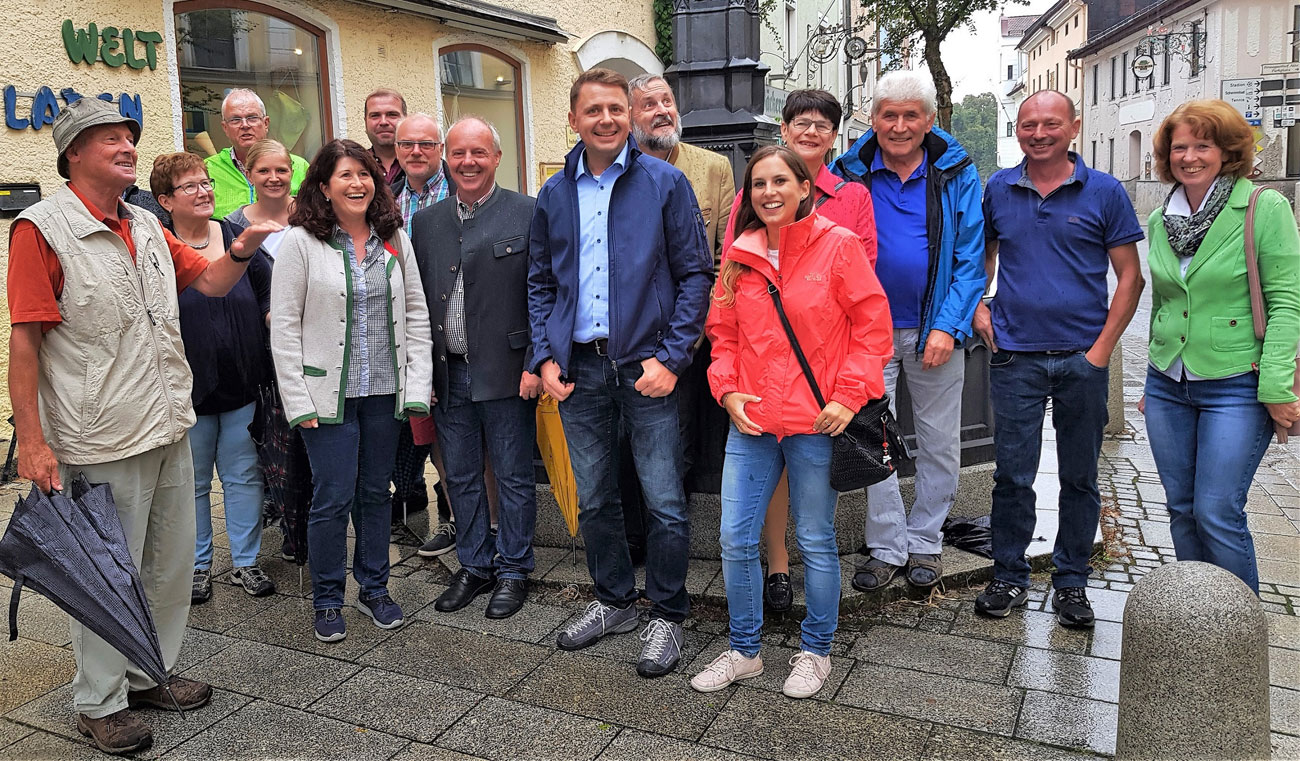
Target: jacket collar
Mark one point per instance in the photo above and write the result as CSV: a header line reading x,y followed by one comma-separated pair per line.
x,y
1224,226
826,182
750,248
83,218
1021,177
575,156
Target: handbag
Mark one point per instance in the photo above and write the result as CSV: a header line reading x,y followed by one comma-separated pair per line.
x,y
1257,312
871,448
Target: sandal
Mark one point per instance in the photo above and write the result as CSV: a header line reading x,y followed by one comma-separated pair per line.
x,y
924,571
874,575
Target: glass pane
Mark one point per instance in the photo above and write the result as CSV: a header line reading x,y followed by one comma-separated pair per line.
x,y
480,84
222,49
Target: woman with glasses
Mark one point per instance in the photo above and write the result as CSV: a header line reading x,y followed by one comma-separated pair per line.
x,y
270,172
225,342
353,358
809,125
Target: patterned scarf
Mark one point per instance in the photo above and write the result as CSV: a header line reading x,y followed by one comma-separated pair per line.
x,y
1186,233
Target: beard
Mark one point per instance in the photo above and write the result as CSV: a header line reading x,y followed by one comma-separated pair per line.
x,y
658,143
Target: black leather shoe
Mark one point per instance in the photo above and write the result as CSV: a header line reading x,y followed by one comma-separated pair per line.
x,y
507,598
777,593
464,588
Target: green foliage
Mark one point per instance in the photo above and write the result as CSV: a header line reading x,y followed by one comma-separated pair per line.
x,y
663,10
975,125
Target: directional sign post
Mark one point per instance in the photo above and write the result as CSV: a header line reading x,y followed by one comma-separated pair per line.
x,y
1243,94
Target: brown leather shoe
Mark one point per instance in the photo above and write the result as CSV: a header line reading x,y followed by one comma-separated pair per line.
x,y
117,733
188,693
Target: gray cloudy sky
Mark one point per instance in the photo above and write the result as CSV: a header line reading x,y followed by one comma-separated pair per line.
x,y
972,57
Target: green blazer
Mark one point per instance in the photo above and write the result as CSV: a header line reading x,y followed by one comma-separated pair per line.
x,y
1205,317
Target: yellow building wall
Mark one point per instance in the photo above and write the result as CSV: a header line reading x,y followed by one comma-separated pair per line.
x,y
375,48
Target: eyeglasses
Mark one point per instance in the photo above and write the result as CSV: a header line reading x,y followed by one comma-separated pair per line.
x,y
190,188
251,121
803,125
425,145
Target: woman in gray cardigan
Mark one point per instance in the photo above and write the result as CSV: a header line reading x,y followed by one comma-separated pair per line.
x,y
353,357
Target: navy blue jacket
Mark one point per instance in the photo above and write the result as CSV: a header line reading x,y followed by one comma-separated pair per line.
x,y
660,265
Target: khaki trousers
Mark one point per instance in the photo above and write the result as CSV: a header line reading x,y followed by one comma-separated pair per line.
x,y
154,493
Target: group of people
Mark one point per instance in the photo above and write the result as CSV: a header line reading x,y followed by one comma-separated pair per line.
x,y
416,309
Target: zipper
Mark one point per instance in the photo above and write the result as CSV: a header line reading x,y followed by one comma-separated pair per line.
x,y
153,333
934,243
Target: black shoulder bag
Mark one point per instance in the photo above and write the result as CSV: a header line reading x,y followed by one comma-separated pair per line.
x,y
871,448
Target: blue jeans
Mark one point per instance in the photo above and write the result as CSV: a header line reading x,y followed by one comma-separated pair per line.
x,y
224,440
1020,384
351,465
509,428
1208,438
602,394
750,473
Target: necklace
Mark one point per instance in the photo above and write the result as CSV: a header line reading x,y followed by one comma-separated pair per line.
x,y
199,246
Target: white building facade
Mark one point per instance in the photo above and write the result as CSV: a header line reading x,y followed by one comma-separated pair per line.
x,y
1012,64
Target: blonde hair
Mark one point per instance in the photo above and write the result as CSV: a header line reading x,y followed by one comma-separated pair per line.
x,y
266,147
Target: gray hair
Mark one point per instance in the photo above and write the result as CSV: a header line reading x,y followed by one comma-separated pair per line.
x,y
906,85
642,82
242,93
643,138
496,137
421,115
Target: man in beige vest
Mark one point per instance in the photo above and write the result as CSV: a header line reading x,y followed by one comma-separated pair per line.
x,y
100,387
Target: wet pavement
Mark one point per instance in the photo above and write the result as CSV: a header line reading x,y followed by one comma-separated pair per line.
x,y
915,679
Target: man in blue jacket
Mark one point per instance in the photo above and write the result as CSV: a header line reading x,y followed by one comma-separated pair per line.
x,y
618,286
929,231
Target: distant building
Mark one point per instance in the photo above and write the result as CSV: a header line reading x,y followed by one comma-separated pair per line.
x,y
1046,44
1011,87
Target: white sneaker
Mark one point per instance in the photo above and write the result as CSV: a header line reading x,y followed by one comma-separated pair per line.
x,y
808,675
725,669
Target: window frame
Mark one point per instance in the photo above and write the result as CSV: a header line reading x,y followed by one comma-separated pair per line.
x,y
518,68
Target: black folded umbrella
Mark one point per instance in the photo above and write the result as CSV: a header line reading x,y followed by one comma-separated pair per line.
x,y
72,550
285,467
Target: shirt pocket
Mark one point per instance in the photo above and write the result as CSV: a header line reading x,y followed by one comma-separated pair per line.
x,y
509,247
1232,333
518,339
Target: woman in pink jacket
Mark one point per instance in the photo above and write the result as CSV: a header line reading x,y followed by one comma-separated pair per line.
x,y
841,318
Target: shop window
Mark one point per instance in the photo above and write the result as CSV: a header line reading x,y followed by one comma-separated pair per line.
x,y
479,81
238,44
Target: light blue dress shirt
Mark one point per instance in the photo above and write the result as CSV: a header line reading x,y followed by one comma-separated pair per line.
x,y
592,319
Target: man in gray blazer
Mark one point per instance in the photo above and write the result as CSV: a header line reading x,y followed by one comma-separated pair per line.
x,y
472,250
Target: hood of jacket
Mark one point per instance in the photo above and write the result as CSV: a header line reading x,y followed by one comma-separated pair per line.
x,y
942,151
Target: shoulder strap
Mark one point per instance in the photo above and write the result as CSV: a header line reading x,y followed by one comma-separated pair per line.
x,y
794,344
1257,313
826,197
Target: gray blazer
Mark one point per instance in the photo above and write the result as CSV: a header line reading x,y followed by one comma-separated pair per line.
x,y
492,249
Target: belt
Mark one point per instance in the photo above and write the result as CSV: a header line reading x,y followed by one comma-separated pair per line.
x,y
599,345
452,357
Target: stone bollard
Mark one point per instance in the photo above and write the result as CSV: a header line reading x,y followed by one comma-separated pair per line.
x,y
1193,681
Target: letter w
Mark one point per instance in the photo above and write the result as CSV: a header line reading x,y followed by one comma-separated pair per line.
x,y
82,45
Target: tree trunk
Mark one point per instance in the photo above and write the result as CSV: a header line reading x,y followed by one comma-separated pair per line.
x,y
942,82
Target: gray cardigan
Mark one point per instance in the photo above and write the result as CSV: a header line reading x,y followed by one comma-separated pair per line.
x,y
311,321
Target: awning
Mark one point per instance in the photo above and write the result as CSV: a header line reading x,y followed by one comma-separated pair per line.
x,y
483,17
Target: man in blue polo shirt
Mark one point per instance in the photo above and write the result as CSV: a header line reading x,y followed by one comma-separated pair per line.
x,y
930,233
1052,225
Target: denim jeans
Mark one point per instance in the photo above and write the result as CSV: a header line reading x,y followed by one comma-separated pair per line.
x,y
1208,438
1020,384
351,466
509,428
603,394
750,473
224,440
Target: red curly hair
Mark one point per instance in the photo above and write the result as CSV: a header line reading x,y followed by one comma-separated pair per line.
x,y
1212,120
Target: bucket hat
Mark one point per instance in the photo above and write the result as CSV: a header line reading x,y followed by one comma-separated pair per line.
x,y
81,115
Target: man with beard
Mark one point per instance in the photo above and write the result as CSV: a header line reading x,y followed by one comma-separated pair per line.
x,y
384,109
244,120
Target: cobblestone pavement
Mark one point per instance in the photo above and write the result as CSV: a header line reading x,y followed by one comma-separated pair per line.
x,y
911,681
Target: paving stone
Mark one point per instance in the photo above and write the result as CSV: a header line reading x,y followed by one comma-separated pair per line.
x,y
1285,747
1269,524
397,704
1069,721
273,673
952,744
1284,631
931,697
533,623
1279,572
1284,668
776,667
934,653
1022,627
773,726
41,620
11,733
228,608
198,646
42,745
506,730
1065,674
596,688
422,752
453,656
1107,604
266,730
53,713
1284,708
1107,640
289,623
634,745
1156,534
30,669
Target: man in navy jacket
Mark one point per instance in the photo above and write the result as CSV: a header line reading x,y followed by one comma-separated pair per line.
x,y
618,286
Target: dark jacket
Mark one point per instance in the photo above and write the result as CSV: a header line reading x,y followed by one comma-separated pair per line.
x,y
491,251
954,224
660,265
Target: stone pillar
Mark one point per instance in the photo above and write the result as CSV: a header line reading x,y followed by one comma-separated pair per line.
x,y
1193,681
1115,400
718,79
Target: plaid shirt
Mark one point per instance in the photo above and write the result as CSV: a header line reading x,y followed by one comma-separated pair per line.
x,y
457,338
411,201
371,371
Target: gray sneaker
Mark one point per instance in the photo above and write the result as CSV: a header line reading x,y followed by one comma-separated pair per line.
x,y
597,621
662,649
253,580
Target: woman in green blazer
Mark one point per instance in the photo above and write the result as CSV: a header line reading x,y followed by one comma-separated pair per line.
x,y
1214,391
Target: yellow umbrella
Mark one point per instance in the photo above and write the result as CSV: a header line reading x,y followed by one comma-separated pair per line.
x,y
555,457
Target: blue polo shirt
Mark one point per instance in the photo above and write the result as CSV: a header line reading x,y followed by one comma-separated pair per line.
x,y
902,242
592,319
1052,256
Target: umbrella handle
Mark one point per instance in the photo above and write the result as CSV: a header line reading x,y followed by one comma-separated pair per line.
x,y
13,607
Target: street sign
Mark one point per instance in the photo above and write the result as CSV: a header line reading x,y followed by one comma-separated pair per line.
x,y
1243,95
1143,66
1288,67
